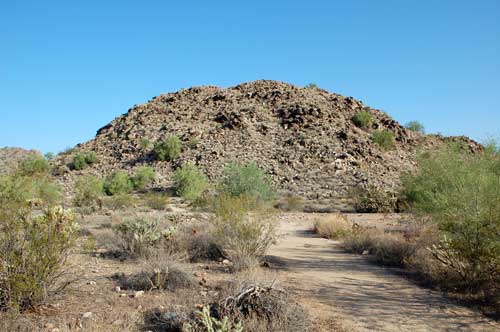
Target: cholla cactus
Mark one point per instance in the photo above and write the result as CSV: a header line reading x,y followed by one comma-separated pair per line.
x,y
208,323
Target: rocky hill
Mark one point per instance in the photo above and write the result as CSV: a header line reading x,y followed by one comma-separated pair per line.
x,y
303,137
10,157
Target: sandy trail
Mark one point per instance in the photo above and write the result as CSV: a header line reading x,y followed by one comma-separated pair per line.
x,y
368,297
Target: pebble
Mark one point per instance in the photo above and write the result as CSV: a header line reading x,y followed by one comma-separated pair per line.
x,y
117,289
139,294
87,315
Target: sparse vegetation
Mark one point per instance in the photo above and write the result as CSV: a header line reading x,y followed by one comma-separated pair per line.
x,y
117,182
334,227
83,159
247,180
415,126
374,200
190,182
169,149
362,119
88,191
119,201
34,165
311,86
143,177
144,144
158,278
384,139
140,236
156,201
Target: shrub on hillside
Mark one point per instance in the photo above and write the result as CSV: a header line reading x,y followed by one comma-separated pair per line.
x,y
117,182
33,165
156,201
362,119
169,149
374,200
460,191
33,246
190,182
143,144
118,201
247,180
415,126
143,177
88,191
83,159
384,139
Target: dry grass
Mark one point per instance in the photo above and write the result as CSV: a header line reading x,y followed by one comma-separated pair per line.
x,y
333,227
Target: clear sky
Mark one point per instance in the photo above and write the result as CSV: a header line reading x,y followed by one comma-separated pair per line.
x,y
69,67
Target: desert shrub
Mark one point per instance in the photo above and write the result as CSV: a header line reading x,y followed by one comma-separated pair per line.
x,y
460,192
190,182
248,180
156,201
207,323
117,182
158,278
83,159
169,149
415,126
139,236
119,201
384,139
88,191
144,144
333,227
362,119
143,177
33,251
194,142
374,200
49,156
311,86
244,235
33,165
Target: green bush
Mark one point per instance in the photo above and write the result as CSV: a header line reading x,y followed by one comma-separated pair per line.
x,y
33,246
169,149
88,191
248,180
139,236
143,144
207,323
117,182
190,182
460,192
384,139
415,126
362,119
33,165
83,159
143,177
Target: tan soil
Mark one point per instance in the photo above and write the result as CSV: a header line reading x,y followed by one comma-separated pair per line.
x,y
369,297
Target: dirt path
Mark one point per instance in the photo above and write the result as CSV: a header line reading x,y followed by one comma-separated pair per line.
x,y
368,297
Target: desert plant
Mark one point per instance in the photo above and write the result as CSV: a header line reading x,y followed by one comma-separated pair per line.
x,y
139,236
333,227
118,201
460,191
415,126
384,139
207,323
169,149
362,119
143,143
33,165
117,182
83,159
49,156
246,180
311,86
156,201
158,278
290,202
194,142
244,235
33,250
372,199
143,176
190,182
88,191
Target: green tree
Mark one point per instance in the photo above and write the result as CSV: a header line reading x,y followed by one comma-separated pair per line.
x,y
169,149
190,182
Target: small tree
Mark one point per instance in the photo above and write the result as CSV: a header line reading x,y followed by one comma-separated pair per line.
x,y
384,139
143,176
248,180
169,149
88,190
362,119
33,165
415,126
190,182
117,183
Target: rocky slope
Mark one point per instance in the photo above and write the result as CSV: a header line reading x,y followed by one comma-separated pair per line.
x,y
10,157
303,137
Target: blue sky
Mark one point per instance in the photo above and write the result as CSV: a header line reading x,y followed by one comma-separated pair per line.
x,y
69,67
